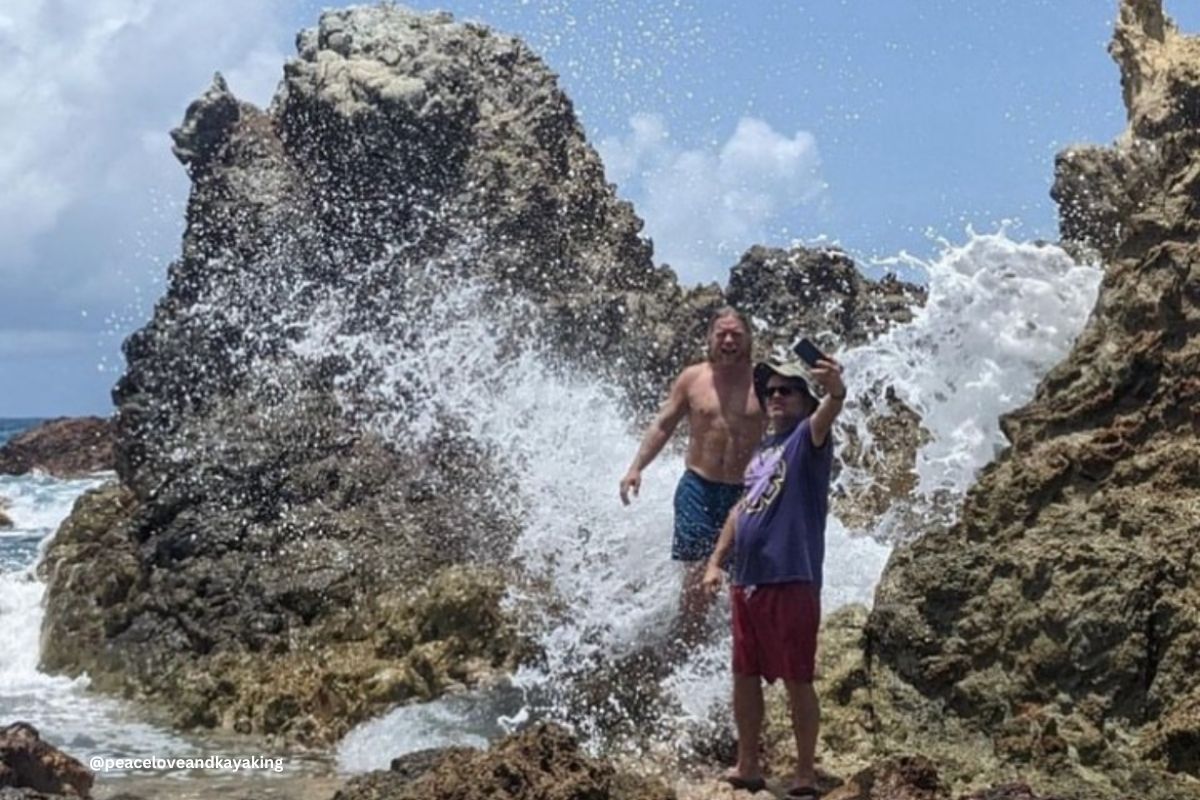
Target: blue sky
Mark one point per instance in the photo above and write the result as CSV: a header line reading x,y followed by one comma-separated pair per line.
x,y
878,125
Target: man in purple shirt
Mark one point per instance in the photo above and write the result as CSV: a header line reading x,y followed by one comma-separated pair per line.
x,y
777,535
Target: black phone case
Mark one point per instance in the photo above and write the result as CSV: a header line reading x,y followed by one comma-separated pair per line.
x,y
808,352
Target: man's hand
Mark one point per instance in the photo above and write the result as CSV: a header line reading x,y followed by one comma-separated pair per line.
x,y
631,482
712,578
828,374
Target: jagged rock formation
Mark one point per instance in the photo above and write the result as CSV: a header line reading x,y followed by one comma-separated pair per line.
x,y
1111,197
64,448
304,533
1055,629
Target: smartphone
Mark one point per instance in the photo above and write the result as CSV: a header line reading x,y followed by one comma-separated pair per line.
x,y
808,352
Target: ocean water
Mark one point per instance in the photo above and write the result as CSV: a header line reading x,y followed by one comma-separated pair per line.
x,y
10,426
64,712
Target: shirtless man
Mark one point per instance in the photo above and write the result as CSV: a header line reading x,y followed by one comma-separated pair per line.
x,y
726,423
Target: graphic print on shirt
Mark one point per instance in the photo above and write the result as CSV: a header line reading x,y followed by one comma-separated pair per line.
x,y
761,500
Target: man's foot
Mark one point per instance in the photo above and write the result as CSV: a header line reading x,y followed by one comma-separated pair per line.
x,y
751,785
802,793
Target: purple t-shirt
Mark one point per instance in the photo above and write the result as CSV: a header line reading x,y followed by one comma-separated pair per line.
x,y
780,534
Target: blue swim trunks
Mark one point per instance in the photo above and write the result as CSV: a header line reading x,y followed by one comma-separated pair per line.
x,y
701,507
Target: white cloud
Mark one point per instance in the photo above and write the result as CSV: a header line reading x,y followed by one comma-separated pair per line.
x,y
704,207
257,77
91,198
86,84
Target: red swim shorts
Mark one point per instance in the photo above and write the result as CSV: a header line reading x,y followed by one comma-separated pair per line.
x,y
775,630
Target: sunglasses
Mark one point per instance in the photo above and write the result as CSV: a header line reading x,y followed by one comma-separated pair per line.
x,y
782,391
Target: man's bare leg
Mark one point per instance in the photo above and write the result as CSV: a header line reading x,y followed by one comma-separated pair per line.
x,y
694,604
748,717
806,719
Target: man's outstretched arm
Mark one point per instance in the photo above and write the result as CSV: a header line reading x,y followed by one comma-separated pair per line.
x,y
657,435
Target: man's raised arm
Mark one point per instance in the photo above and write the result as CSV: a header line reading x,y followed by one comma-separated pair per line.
x,y
827,373
657,435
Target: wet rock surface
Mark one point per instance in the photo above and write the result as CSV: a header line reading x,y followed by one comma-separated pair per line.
x,y
64,448
32,768
301,645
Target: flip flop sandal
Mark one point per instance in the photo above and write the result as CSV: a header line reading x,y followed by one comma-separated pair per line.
x,y
803,793
751,785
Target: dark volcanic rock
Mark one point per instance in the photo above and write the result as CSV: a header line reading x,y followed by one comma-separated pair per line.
x,y
541,763
28,763
1056,627
363,589
411,766
65,448
393,782
350,579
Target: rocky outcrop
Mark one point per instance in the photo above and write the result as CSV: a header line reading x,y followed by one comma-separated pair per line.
x,y
1055,626
399,147
30,764
64,448
306,530
293,549
818,293
367,591
541,763
5,520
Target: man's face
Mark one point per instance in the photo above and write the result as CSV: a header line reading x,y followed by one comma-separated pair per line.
x,y
728,342
786,402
